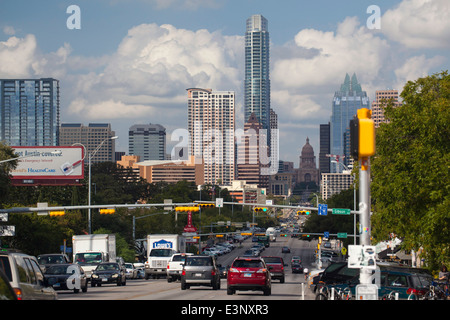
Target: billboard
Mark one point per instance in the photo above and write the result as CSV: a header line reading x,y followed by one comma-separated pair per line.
x,y
54,165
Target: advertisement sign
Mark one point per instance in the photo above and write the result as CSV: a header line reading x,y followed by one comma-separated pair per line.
x,y
54,165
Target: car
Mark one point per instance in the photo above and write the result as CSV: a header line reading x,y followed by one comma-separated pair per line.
x,y
175,266
296,259
285,250
6,291
108,272
140,268
297,268
249,274
45,260
25,276
211,252
200,270
130,270
406,281
66,276
276,267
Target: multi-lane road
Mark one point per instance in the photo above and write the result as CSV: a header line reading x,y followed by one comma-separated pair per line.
x,y
160,289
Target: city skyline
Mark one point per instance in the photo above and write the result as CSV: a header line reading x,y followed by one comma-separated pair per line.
x,y
132,61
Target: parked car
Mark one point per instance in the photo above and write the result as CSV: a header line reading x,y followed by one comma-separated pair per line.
x,y
108,272
175,266
276,267
130,271
48,259
25,276
249,274
392,278
200,270
6,291
67,276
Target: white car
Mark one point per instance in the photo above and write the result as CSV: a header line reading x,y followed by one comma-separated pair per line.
x,y
175,266
130,271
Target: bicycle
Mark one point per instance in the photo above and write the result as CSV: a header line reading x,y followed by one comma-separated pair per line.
x,y
393,295
438,291
333,293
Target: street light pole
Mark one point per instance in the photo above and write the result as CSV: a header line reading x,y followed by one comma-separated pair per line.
x,y
91,155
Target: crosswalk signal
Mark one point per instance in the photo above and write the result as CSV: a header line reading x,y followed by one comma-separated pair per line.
x,y
362,135
260,209
107,211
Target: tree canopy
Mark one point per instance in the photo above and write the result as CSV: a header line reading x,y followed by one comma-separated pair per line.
x,y
410,171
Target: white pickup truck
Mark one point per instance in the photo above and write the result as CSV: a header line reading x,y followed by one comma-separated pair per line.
x,y
175,266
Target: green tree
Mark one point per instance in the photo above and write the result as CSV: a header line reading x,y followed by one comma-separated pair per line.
x,y
6,153
410,171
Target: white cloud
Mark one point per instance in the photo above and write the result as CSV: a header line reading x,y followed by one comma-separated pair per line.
x,y
110,109
419,23
17,56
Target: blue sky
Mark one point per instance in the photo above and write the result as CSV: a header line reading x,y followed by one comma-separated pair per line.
x,y
132,60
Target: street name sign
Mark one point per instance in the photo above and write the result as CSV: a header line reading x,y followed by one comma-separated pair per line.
x,y
341,211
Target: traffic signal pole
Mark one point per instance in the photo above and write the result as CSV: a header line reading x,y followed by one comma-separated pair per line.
x,y
364,213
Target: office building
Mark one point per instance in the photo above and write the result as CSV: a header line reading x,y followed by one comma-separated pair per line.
x,y
346,102
382,98
91,137
148,141
257,80
324,141
29,112
334,183
211,124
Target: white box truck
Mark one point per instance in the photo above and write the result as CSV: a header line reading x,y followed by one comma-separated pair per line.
x,y
93,249
160,248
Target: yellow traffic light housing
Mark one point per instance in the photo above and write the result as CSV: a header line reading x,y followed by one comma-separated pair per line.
x,y
207,205
260,209
187,209
303,212
107,211
362,135
57,213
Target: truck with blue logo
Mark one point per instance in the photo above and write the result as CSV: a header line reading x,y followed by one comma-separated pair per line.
x,y
160,248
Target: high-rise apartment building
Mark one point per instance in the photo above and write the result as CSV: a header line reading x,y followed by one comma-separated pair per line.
x,y
211,128
346,102
148,141
91,137
29,112
257,80
324,148
382,98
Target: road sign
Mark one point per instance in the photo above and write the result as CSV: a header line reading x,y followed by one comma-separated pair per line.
x,y
341,211
3,217
219,202
7,231
342,235
366,292
326,234
323,209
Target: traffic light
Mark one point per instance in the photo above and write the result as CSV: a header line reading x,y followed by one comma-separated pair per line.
x,y
206,205
260,209
57,213
362,135
187,209
107,211
303,212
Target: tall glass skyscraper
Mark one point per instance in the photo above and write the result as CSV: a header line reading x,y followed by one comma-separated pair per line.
x,y
257,81
345,103
147,141
29,112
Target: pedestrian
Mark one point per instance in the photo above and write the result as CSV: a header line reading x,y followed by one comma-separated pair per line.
x,y
443,273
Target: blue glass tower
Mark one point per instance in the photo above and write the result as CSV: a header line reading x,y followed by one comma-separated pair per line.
x,y
257,81
345,103
29,112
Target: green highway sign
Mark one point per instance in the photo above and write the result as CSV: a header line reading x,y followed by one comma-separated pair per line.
x,y
341,211
342,235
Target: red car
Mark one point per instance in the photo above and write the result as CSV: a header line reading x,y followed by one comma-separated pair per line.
x,y
249,274
276,267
